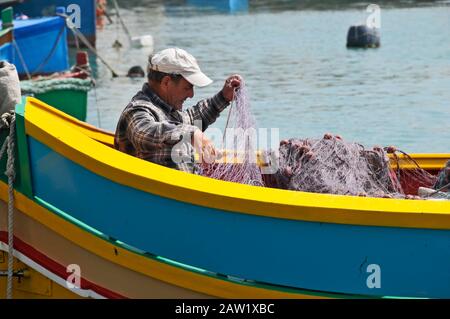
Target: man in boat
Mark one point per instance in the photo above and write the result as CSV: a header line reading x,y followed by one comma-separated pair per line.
x,y
154,127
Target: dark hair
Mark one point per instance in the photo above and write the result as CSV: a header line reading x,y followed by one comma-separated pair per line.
x,y
157,76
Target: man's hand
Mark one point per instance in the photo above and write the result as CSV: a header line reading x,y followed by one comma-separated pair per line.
x,y
204,148
231,84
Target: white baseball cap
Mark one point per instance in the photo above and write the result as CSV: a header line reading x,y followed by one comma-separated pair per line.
x,y
178,61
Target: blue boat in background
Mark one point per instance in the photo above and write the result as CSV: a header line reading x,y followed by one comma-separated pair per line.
x,y
222,5
82,12
40,46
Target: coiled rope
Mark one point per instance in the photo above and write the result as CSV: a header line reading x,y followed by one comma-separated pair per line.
x,y
8,121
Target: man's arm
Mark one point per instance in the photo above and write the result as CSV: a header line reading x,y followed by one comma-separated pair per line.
x,y
146,133
207,111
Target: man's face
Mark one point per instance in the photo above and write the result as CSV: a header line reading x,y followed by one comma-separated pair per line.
x,y
178,92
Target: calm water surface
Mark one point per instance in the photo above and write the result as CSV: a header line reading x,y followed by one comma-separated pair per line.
x,y
301,77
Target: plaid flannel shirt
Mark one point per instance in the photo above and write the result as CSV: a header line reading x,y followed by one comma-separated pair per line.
x,y
151,129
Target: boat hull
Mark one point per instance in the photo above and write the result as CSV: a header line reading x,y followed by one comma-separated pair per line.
x,y
101,278
226,239
310,255
46,243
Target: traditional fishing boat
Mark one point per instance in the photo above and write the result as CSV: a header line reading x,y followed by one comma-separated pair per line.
x,y
6,37
131,228
31,60
82,13
38,46
68,93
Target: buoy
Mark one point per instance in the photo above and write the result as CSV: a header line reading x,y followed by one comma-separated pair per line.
x,y
136,72
362,36
144,41
82,59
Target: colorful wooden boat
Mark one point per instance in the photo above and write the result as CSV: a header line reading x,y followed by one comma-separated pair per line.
x,y
69,94
40,45
6,37
63,87
139,230
83,13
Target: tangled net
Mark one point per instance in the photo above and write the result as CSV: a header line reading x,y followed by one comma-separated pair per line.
x,y
238,164
332,166
329,165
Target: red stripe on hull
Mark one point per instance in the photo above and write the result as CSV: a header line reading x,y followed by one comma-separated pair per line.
x,y
55,267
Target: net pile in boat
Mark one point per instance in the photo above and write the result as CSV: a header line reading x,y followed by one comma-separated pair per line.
x,y
240,145
333,166
329,165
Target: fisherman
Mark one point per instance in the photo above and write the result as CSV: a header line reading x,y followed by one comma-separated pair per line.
x,y
154,127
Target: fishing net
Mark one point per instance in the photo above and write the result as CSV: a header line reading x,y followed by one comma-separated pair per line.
x,y
328,165
239,162
333,166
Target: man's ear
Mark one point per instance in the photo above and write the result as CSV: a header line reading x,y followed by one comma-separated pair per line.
x,y
165,81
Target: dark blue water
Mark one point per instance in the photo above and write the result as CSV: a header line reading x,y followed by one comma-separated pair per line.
x,y
301,77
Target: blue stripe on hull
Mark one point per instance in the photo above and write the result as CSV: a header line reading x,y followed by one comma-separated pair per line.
x,y
316,256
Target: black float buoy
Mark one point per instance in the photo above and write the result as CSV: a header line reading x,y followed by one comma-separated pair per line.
x,y
362,36
136,72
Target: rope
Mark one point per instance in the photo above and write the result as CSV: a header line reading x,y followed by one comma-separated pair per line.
x,y
229,115
43,63
127,32
51,53
226,124
85,41
8,120
77,43
22,59
96,106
